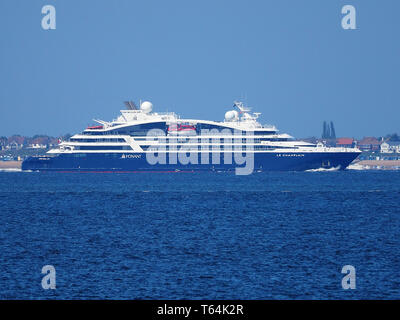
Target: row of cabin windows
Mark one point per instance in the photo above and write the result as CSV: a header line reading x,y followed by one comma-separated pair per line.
x,y
137,133
213,140
181,139
108,155
97,140
220,147
103,148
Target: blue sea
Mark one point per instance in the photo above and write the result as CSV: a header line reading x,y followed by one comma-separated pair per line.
x,y
200,235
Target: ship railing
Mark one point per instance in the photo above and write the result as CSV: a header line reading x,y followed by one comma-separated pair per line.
x,y
269,126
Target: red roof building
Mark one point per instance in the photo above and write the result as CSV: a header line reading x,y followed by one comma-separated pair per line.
x,y
345,142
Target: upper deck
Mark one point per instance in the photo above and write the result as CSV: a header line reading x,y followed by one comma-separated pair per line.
x,y
138,122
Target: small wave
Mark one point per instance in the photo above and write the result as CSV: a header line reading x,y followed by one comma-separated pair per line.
x,y
355,167
324,169
10,170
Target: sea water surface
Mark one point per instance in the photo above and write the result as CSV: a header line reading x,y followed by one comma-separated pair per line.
x,y
200,235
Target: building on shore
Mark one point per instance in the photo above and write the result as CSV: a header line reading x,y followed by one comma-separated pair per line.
x,y
369,144
15,142
345,143
390,147
39,143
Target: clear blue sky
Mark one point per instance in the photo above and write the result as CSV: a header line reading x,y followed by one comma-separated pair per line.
x,y
291,60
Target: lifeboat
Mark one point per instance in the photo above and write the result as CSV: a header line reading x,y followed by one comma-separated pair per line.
x,y
181,129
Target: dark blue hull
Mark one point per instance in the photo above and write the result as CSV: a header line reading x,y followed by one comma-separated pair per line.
x,y
117,162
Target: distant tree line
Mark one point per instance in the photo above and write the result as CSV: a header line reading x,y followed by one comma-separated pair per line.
x,y
328,131
394,137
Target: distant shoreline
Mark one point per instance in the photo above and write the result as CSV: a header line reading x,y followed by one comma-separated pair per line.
x,y
10,164
379,163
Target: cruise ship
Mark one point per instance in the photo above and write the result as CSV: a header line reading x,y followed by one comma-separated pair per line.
x,y
142,140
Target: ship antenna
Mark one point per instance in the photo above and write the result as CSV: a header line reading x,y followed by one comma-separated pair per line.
x,y
130,105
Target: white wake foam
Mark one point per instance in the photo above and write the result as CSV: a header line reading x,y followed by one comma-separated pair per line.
x,y
356,167
324,169
10,170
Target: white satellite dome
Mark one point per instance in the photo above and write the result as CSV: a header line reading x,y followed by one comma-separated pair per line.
x,y
231,115
146,106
